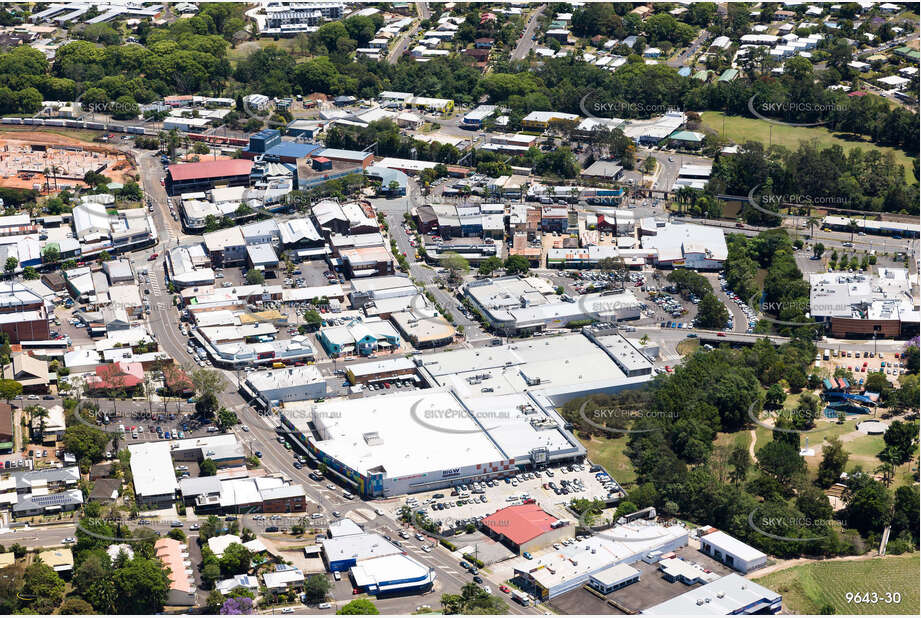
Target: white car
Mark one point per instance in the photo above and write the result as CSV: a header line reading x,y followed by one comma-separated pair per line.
x,y
378,512
244,427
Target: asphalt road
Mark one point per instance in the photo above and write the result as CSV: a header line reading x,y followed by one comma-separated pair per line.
x,y
525,43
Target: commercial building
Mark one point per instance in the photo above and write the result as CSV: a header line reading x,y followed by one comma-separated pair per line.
x,y
864,305
554,573
554,369
288,384
375,565
732,595
23,315
542,120
732,552
381,370
204,175
518,305
423,327
699,247
898,229
409,442
525,527
359,337
154,478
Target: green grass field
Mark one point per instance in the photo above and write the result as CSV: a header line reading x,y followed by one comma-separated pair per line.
x,y
609,452
807,588
741,129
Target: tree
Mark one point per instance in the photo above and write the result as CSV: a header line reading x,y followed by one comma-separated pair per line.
x,y
141,586
10,389
236,560
207,468
51,254
316,587
207,382
255,277
516,265
30,273
740,461
43,583
226,419
215,601
358,606
313,318
781,460
869,507
775,396
75,606
85,441
711,313
901,440
834,459
818,249
490,265
457,266
10,267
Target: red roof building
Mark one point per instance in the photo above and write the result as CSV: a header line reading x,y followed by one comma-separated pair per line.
x,y
210,169
525,527
205,175
116,375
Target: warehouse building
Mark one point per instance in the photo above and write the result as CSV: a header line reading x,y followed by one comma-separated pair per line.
x,y
732,552
526,528
557,572
732,595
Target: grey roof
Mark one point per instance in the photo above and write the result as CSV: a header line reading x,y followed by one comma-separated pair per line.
x,y
26,478
29,502
202,485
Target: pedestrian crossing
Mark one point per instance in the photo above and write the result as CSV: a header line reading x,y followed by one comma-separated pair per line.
x,y
155,286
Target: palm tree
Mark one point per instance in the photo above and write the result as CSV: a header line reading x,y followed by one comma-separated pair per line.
x,y
812,222
852,227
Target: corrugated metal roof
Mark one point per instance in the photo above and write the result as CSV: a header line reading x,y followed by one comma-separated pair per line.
x,y
210,169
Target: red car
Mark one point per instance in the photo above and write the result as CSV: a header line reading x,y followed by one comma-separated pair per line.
x,y
720,334
153,256
504,589
668,369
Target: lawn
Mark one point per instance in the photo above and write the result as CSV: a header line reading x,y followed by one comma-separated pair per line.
x,y
243,50
609,453
741,129
807,588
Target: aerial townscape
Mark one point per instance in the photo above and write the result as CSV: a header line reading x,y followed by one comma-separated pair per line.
x,y
499,307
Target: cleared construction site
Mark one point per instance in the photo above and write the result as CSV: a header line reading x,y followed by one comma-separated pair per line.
x,y
49,163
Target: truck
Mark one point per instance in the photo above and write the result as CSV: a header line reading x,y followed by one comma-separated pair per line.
x,y
521,597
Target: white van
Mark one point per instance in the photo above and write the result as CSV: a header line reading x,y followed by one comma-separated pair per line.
x,y
337,576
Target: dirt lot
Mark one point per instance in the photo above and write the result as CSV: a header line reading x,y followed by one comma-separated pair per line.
x,y
18,156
